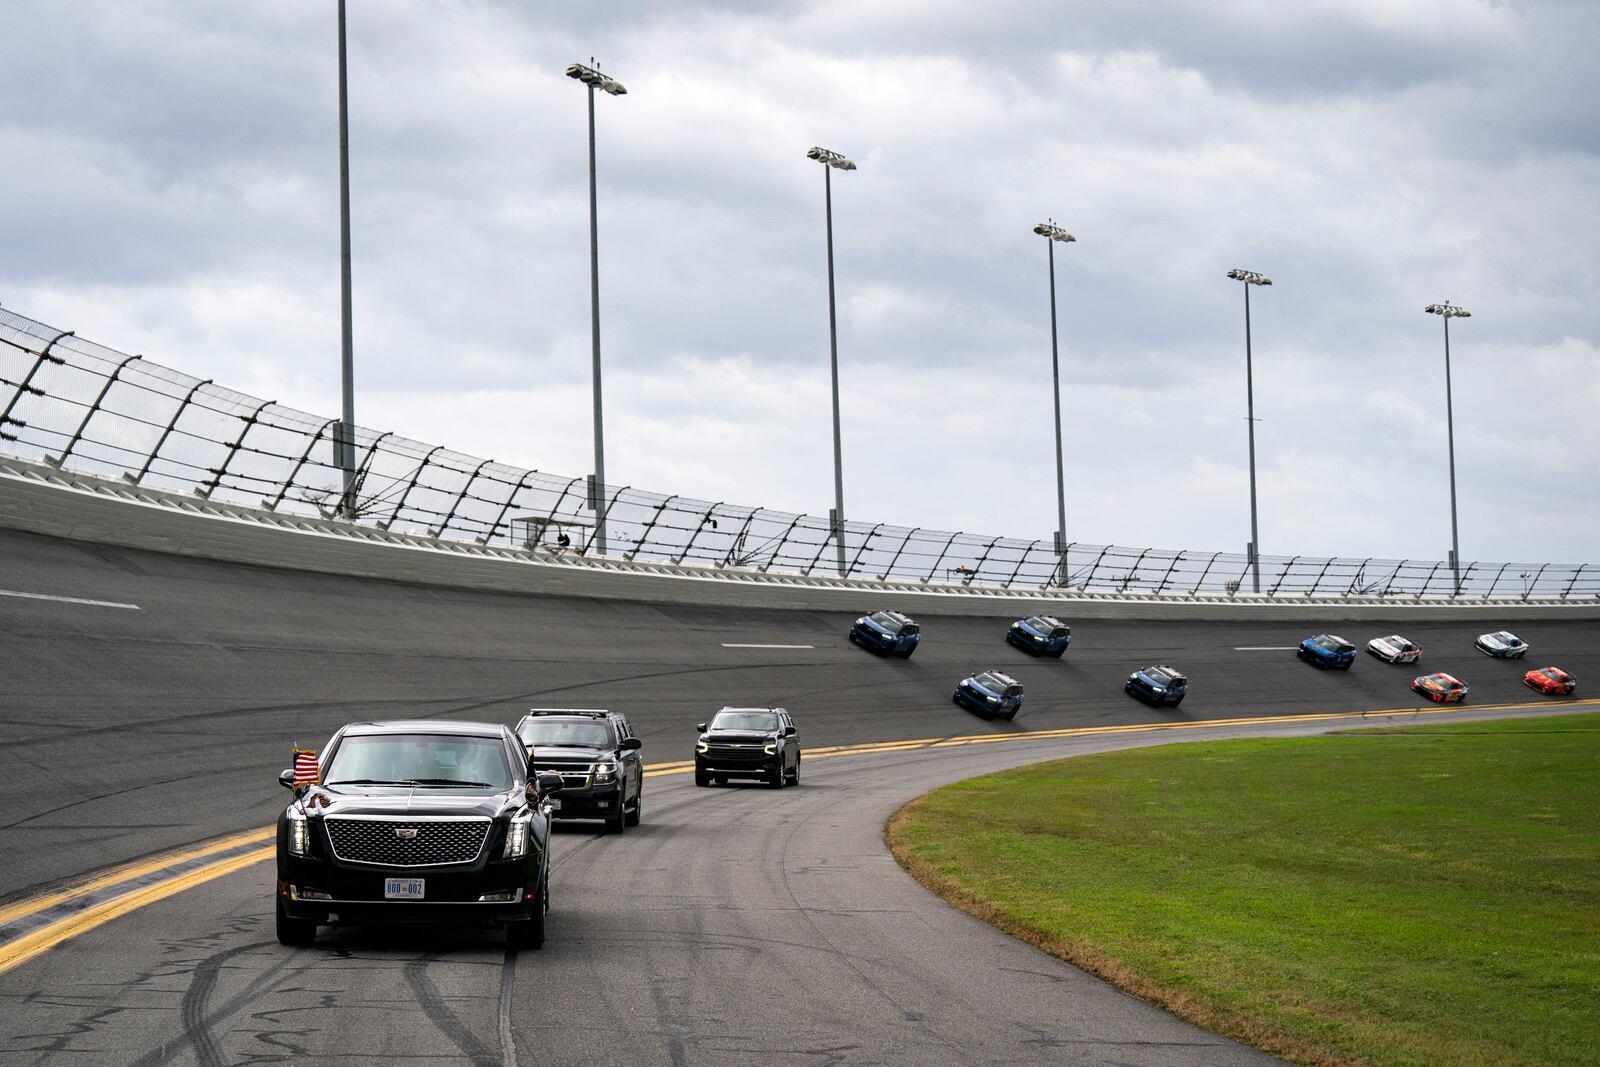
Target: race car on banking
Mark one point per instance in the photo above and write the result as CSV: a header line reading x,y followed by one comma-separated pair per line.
x,y
1040,635
1551,681
1394,649
1157,685
1441,688
1327,650
1502,644
990,693
887,633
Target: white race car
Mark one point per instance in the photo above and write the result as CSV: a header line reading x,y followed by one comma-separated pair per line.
x,y
1502,645
1395,649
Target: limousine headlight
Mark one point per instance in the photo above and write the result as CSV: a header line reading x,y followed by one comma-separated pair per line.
x,y
299,834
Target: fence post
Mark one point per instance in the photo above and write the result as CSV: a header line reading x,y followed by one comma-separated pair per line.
x,y
1497,576
1428,581
834,530
1535,583
855,563
1284,576
694,535
151,458
897,553
1094,568
981,561
1573,583
644,535
445,525
1356,579
27,379
1176,559
288,483
498,519
1317,584
781,542
736,544
935,568
1020,561
415,476
233,450
1204,573
600,520
1388,583
77,434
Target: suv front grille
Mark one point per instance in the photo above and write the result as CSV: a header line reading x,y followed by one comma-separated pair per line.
x,y
575,773
737,750
407,842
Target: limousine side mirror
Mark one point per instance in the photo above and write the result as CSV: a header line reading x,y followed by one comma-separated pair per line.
x,y
286,777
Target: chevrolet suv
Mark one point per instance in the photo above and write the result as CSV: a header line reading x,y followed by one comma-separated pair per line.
x,y
597,756
415,821
757,743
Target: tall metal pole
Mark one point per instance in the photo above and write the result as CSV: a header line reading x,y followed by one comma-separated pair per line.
x,y
1450,430
1055,393
833,356
345,446
1250,418
594,319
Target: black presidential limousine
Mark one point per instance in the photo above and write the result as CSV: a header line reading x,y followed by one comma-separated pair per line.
x,y
417,821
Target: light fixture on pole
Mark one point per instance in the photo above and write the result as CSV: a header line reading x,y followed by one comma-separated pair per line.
x,y
592,77
1249,278
1052,234
832,161
1448,311
344,445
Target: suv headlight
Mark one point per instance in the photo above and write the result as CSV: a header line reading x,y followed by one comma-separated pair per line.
x,y
299,833
991,699
517,833
770,748
605,772
702,745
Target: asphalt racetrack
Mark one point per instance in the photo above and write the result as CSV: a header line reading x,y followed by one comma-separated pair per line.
x,y
149,701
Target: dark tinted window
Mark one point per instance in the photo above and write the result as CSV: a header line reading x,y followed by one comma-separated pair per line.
x,y
420,757
886,621
760,721
591,733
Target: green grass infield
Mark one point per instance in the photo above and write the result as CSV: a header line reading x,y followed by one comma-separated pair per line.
x,y
1416,895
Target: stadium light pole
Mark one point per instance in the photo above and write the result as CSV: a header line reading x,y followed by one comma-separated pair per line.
x,y
1448,311
832,161
1052,234
591,76
345,446
1249,278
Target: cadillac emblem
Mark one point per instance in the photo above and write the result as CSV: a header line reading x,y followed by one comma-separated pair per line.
x,y
405,833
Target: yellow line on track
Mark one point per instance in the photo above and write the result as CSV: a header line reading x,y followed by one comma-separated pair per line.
x,y
126,872
29,945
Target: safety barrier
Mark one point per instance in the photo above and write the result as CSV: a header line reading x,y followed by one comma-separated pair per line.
x,y
79,406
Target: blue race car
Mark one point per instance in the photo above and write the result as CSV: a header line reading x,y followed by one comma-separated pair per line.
x,y
1157,685
887,633
1040,635
1327,650
990,693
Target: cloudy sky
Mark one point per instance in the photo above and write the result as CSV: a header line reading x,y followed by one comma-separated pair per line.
x,y
171,188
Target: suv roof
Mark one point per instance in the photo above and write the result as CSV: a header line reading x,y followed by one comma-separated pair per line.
x,y
723,709
584,713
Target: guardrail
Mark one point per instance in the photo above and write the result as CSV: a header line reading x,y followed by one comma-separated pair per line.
x,y
79,406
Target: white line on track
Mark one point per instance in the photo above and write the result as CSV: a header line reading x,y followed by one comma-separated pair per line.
x,y
69,600
1265,648
725,644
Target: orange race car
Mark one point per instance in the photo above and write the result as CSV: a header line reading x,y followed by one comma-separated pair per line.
x,y
1552,681
1441,688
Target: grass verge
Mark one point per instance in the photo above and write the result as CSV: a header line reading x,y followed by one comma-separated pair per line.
x,y
1405,896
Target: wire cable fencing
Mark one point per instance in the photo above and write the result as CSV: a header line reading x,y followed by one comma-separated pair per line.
x,y
79,406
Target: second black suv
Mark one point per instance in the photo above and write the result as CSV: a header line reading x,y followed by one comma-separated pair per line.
x,y
597,756
748,743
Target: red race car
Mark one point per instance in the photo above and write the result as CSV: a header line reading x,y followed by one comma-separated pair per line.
x,y
1552,681
1441,688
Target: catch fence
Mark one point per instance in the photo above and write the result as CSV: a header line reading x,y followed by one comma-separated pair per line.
x,y
80,406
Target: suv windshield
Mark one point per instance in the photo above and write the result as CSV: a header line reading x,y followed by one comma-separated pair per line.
x,y
989,681
421,760
760,721
893,625
589,733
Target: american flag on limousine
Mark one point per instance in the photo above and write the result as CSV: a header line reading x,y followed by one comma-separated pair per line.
x,y
305,767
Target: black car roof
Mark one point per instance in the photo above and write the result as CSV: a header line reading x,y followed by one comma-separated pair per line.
x,y
425,726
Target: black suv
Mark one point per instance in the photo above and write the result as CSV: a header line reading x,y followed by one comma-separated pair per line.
x,y
414,822
748,743
597,757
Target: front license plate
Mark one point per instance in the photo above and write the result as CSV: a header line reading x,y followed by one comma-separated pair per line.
x,y
402,888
